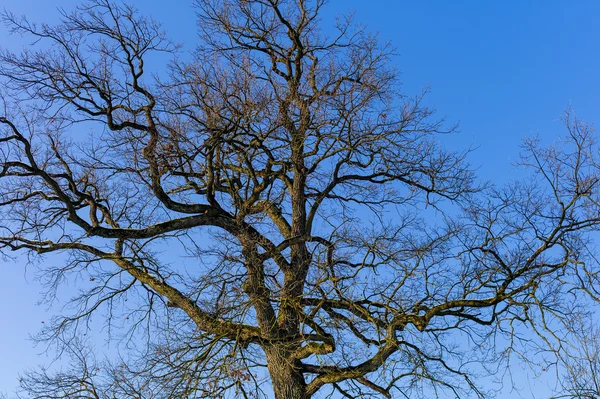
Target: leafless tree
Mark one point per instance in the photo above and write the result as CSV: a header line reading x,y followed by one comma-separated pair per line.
x,y
272,213
579,362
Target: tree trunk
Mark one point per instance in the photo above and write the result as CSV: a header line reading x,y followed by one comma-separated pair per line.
x,y
288,381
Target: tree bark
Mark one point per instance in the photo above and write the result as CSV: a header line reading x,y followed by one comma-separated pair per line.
x,y
286,377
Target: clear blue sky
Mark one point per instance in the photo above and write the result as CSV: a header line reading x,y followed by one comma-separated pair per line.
x,y
504,69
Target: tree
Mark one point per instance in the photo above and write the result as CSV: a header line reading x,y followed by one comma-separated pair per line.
x,y
348,251
580,362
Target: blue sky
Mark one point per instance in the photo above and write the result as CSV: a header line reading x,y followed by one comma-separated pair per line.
x,y
504,69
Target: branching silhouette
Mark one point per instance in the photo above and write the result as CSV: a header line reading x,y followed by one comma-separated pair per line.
x,y
328,242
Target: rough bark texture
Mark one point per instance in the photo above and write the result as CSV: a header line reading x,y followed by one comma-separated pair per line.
x,y
286,374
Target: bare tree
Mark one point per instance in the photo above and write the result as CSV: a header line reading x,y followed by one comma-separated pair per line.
x,y
579,362
327,242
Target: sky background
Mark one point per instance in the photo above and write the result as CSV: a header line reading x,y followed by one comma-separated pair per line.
x,y
505,70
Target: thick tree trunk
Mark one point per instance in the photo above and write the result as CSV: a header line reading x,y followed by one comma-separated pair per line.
x,y
288,381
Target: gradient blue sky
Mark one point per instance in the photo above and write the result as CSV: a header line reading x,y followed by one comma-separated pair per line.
x,y
505,69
